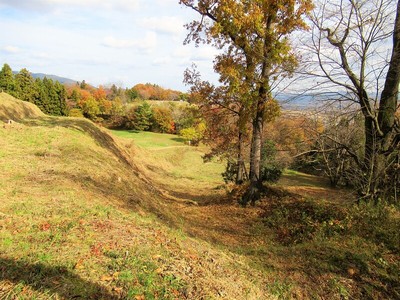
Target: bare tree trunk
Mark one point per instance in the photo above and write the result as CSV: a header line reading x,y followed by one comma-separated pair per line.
x,y
387,143
382,133
255,155
388,103
253,192
241,172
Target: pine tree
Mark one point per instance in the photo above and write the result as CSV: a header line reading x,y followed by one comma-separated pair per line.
x,y
143,117
25,86
41,98
61,107
7,81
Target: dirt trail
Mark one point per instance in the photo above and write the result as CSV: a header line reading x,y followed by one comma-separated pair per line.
x,y
226,223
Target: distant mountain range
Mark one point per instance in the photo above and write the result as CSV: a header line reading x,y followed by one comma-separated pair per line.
x,y
62,80
307,101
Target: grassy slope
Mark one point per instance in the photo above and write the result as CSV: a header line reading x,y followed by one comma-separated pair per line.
x,y
176,167
307,240
13,109
80,217
75,222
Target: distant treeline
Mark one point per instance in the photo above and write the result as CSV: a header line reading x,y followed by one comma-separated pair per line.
x,y
50,96
114,107
79,99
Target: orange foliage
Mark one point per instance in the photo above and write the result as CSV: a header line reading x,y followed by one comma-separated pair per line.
x,y
150,91
292,134
100,94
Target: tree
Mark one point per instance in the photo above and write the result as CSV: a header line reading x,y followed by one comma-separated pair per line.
x,y
226,116
60,101
7,81
142,117
349,41
83,85
132,94
27,89
253,36
55,97
90,108
41,99
162,120
194,134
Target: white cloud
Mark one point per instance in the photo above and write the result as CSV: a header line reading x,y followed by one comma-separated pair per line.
x,y
162,61
168,25
182,52
11,49
147,43
41,55
167,2
40,5
204,54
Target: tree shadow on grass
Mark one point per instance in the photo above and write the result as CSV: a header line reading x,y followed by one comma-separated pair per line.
x,y
179,140
51,279
124,130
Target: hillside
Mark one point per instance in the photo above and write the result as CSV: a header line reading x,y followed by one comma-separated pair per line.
x,y
78,221
13,109
91,214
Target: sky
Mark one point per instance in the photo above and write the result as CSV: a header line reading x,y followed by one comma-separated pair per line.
x,y
103,42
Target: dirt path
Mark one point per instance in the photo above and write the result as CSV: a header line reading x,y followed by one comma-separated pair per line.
x,y
222,221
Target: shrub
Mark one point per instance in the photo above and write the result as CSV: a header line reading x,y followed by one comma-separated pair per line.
x,y
231,170
162,120
194,134
298,221
75,112
271,173
271,169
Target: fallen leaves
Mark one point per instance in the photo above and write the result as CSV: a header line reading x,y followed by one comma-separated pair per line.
x,y
45,226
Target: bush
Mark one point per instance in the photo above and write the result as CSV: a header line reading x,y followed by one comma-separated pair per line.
x,y
299,221
296,221
231,170
75,112
271,173
162,120
271,169
194,134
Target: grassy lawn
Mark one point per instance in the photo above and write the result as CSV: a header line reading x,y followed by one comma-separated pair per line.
x,y
151,140
64,232
178,167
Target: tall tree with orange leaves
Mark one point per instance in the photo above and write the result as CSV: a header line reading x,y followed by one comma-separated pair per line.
x,y
253,36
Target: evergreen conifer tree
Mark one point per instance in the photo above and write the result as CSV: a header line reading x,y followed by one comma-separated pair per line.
x,y
7,81
25,86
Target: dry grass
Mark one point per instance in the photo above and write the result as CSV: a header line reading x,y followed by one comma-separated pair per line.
x,y
303,240
77,221
86,215
16,110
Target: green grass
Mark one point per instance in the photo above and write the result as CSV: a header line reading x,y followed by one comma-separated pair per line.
x,y
172,163
150,140
59,219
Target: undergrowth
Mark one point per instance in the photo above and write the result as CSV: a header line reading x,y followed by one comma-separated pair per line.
x,y
355,246
301,220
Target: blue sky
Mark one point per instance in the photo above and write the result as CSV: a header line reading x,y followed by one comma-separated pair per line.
x,y
104,42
